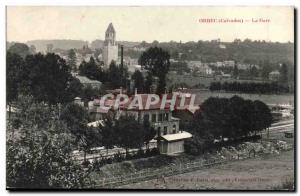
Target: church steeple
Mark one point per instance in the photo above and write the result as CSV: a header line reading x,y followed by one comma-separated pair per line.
x,y
110,48
110,35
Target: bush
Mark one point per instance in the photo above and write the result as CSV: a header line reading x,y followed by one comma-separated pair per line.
x,y
154,151
288,184
109,161
97,164
148,152
118,157
140,153
128,156
86,163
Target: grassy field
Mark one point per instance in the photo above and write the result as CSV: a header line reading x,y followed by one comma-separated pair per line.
x,y
202,95
262,173
204,81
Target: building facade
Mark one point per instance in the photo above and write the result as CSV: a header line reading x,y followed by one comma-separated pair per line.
x,y
110,48
170,138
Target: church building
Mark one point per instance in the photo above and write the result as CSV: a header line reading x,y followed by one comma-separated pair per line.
x,y
110,48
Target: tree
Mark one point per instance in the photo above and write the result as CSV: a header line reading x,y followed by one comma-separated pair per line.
x,y
253,71
46,77
19,49
74,89
130,132
148,82
235,70
76,118
266,69
108,134
138,78
89,93
262,115
13,64
117,75
157,62
89,69
149,132
72,59
40,157
232,118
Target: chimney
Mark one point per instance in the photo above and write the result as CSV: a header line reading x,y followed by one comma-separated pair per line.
x,y
122,66
122,56
135,91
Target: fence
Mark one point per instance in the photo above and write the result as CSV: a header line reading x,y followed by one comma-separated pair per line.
x,y
157,173
164,172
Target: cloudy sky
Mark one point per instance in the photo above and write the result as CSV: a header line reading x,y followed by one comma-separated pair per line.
x,y
150,23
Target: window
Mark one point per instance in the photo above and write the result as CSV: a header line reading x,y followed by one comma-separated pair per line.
x,y
165,130
166,117
160,117
153,118
146,117
174,129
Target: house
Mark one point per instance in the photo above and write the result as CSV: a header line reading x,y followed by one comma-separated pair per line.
x,y
274,75
170,138
85,81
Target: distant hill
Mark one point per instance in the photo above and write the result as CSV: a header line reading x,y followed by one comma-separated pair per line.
x,y
99,43
41,45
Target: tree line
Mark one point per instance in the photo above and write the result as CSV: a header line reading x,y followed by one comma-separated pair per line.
x,y
232,118
125,131
46,77
39,149
250,87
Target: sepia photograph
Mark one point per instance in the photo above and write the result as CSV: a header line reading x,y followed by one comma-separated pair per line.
x,y
159,98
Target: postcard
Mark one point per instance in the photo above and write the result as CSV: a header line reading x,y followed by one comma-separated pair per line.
x,y
150,98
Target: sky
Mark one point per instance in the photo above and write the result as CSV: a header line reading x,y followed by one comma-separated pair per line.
x,y
150,23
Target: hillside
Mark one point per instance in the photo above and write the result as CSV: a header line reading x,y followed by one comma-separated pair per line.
x,y
41,45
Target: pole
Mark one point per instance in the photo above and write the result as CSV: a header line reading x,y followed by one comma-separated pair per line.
x,y
121,64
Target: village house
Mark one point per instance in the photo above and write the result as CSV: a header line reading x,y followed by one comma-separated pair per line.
x,y
170,138
274,75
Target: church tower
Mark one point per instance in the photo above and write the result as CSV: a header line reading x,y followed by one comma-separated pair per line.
x,y
110,49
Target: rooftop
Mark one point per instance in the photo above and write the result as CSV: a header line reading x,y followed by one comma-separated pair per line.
x,y
86,80
177,136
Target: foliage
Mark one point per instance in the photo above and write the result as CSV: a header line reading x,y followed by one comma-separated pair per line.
x,y
38,153
130,132
108,134
180,67
149,132
76,118
231,118
288,184
138,78
157,62
20,49
89,93
14,63
72,59
46,77
117,75
90,69
74,89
